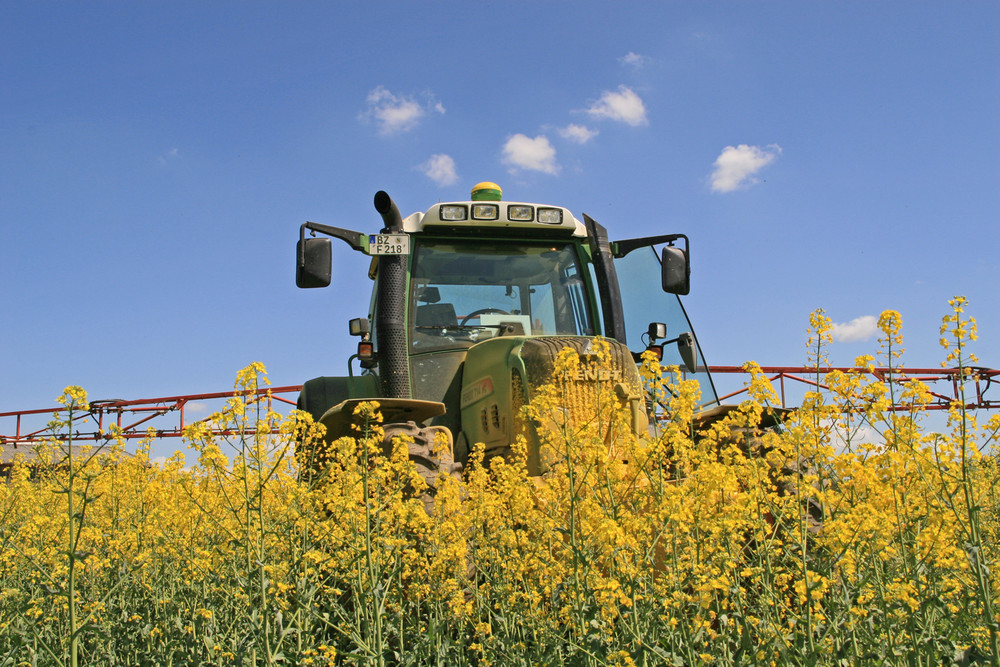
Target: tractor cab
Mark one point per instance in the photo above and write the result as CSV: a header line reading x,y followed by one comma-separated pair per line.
x,y
472,299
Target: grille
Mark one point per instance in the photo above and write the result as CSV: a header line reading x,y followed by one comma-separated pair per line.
x,y
580,391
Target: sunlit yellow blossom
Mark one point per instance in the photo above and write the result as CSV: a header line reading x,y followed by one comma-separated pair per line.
x,y
74,397
845,528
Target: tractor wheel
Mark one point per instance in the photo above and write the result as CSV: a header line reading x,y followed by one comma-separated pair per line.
x,y
431,449
785,478
751,442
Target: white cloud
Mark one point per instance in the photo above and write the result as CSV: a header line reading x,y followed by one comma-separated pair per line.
x,y
844,439
577,133
737,167
522,152
623,105
860,328
197,407
634,60
396,113
169,156
440,168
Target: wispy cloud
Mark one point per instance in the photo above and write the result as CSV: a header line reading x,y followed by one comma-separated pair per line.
x,y
737,166
197,407
169,156
579,134
860,328
440,168
393,113
523,152
622,105
845,438
634,60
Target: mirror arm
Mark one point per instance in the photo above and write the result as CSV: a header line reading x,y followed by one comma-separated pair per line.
x,y
356,240
622,248
688,341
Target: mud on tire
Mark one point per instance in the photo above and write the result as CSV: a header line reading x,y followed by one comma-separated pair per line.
x,y
431,450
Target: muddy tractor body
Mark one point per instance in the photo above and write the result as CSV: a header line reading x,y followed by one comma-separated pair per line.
x,y
473,300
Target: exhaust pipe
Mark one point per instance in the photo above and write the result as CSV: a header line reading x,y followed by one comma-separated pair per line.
x,y
390,320
389,212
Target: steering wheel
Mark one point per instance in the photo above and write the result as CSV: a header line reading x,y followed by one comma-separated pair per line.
x,y
482,311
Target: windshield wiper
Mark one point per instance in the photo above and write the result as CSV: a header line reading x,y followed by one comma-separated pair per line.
x,y
445,327
502,327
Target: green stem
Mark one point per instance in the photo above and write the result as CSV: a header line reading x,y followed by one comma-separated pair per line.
x,y
980,569
74,639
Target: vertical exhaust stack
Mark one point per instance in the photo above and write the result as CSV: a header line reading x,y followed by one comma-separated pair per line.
x,y
389,212
390,320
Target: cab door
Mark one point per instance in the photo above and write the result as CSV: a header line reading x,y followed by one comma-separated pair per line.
x,y
640,282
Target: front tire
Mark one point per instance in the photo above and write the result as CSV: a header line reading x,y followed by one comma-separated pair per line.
x,y
432,450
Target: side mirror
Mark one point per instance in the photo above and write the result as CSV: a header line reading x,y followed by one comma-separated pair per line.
x,y
686,346
314,258
359,327
688,351
675,272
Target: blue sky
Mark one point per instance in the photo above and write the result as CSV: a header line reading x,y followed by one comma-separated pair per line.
x,y
158,158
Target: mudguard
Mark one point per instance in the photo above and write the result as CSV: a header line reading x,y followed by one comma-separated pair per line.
x,y
320,394
339,418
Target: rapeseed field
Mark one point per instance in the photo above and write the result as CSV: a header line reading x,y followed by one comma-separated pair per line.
x,y
850,533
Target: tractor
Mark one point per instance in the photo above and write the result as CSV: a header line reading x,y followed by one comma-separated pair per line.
x,y
472,302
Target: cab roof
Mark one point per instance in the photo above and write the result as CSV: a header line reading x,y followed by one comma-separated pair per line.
x,y
485,216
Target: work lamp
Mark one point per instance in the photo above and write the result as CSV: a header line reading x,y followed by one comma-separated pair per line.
x,y
454,212
485,211
550,216
519,213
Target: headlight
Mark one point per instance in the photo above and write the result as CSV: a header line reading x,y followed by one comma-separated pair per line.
x,y
485,211
550,216
521,213
454,213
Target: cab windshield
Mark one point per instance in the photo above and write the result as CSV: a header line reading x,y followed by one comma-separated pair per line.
x,y
464,292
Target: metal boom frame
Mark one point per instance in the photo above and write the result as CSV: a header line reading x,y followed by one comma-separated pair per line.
x,y
134,418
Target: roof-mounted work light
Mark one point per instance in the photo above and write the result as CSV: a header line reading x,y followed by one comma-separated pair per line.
x,y
550,216
521,213
454,212
485,211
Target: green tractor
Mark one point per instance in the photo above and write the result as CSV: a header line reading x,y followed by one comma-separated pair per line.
x,y
472,302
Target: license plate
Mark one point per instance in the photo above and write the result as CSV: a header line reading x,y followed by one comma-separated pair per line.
x,y
388,244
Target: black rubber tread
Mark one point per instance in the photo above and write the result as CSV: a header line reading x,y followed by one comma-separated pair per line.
x,y
432,461
783,477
